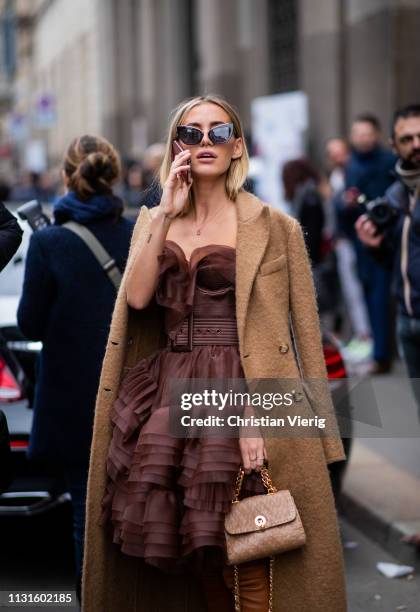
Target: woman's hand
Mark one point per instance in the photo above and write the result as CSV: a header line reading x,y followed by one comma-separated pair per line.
x,y
253,453
175,191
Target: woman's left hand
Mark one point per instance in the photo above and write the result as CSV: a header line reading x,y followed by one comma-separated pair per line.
x,y
253,453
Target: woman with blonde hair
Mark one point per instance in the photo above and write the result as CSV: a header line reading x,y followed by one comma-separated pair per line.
x,y
212,278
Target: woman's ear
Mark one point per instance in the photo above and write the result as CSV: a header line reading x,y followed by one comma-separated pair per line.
x,y
238,148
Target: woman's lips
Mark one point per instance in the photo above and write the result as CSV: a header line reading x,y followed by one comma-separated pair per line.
x,y
206,159
206,155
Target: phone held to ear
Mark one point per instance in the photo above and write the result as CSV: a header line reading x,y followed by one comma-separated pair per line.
x,y
176,148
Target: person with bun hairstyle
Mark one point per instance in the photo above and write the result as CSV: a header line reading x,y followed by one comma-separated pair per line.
x,y
67,303
218,285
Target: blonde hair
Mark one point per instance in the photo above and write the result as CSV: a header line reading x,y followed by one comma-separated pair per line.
x,y
238,169
92,166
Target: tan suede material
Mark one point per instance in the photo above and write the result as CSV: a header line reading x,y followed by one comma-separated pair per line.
x,y
283,529
274,299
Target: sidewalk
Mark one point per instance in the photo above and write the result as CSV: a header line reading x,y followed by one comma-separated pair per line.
x,y
367,589
381,491
382,500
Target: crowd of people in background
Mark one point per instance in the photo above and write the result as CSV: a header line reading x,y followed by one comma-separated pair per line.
x,y
375,261
349,279
137,185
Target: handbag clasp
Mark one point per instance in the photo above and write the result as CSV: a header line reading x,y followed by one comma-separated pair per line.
x,y
260,521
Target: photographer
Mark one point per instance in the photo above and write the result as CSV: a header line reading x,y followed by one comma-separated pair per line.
x,y
368,172
397,243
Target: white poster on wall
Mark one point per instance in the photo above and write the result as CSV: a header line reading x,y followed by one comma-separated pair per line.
x,y
279,133
35,156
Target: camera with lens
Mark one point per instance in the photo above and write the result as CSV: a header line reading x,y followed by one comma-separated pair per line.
x,y
32,213
379,211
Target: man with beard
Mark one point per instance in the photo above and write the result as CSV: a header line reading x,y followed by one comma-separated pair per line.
x,y
399,244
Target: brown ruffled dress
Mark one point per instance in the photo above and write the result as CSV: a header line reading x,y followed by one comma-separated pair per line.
x,y
166,497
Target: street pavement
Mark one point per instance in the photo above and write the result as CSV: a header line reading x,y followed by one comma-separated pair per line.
x,y
381,493
368,590
37,554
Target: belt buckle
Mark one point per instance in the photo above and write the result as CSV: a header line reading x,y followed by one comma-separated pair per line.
x,y
181,348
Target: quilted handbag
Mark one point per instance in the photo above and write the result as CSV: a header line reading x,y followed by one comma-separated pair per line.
x,y
261,526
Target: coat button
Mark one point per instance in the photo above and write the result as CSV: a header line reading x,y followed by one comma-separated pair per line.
x,y
283,348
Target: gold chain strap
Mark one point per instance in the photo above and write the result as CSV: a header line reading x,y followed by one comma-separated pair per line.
x,y
270,599
236,590
265,477
268,483
238,486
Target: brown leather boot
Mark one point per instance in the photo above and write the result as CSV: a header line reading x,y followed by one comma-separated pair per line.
x,y
254,585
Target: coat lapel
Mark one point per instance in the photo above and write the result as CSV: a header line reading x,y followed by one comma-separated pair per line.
x,y
251,242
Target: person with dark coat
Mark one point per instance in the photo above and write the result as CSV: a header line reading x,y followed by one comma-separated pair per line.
x,y
369,172
301,189
10,236
67,302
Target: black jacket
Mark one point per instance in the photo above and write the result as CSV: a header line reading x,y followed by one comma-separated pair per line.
x,y
10,236
67,303
395,249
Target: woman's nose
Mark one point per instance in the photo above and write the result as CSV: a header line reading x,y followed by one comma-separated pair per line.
x,y
206,142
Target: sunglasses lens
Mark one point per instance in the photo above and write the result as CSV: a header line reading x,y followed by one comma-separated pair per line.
x,y
189,135
221,133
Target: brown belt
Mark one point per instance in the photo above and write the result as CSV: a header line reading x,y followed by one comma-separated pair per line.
x,y
203,331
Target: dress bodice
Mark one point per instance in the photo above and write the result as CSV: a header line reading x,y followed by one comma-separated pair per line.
x,y
204,284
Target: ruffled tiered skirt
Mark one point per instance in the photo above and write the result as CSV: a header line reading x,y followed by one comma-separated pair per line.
x,y
167,497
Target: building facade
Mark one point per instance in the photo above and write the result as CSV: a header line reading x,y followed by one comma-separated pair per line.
x,y
117,67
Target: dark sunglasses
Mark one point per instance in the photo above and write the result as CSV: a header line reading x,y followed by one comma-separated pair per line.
x,y
220,134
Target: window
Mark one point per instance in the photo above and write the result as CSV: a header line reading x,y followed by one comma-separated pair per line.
x,y
8,41
282,45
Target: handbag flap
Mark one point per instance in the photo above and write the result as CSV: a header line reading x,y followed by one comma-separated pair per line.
x,y
260,512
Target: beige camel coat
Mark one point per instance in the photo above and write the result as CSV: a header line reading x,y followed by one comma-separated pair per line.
x,y
274,295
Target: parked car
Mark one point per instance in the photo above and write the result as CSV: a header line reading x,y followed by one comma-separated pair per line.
x,y
338,381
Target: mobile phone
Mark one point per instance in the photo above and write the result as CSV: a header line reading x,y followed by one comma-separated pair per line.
x,y
177,148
